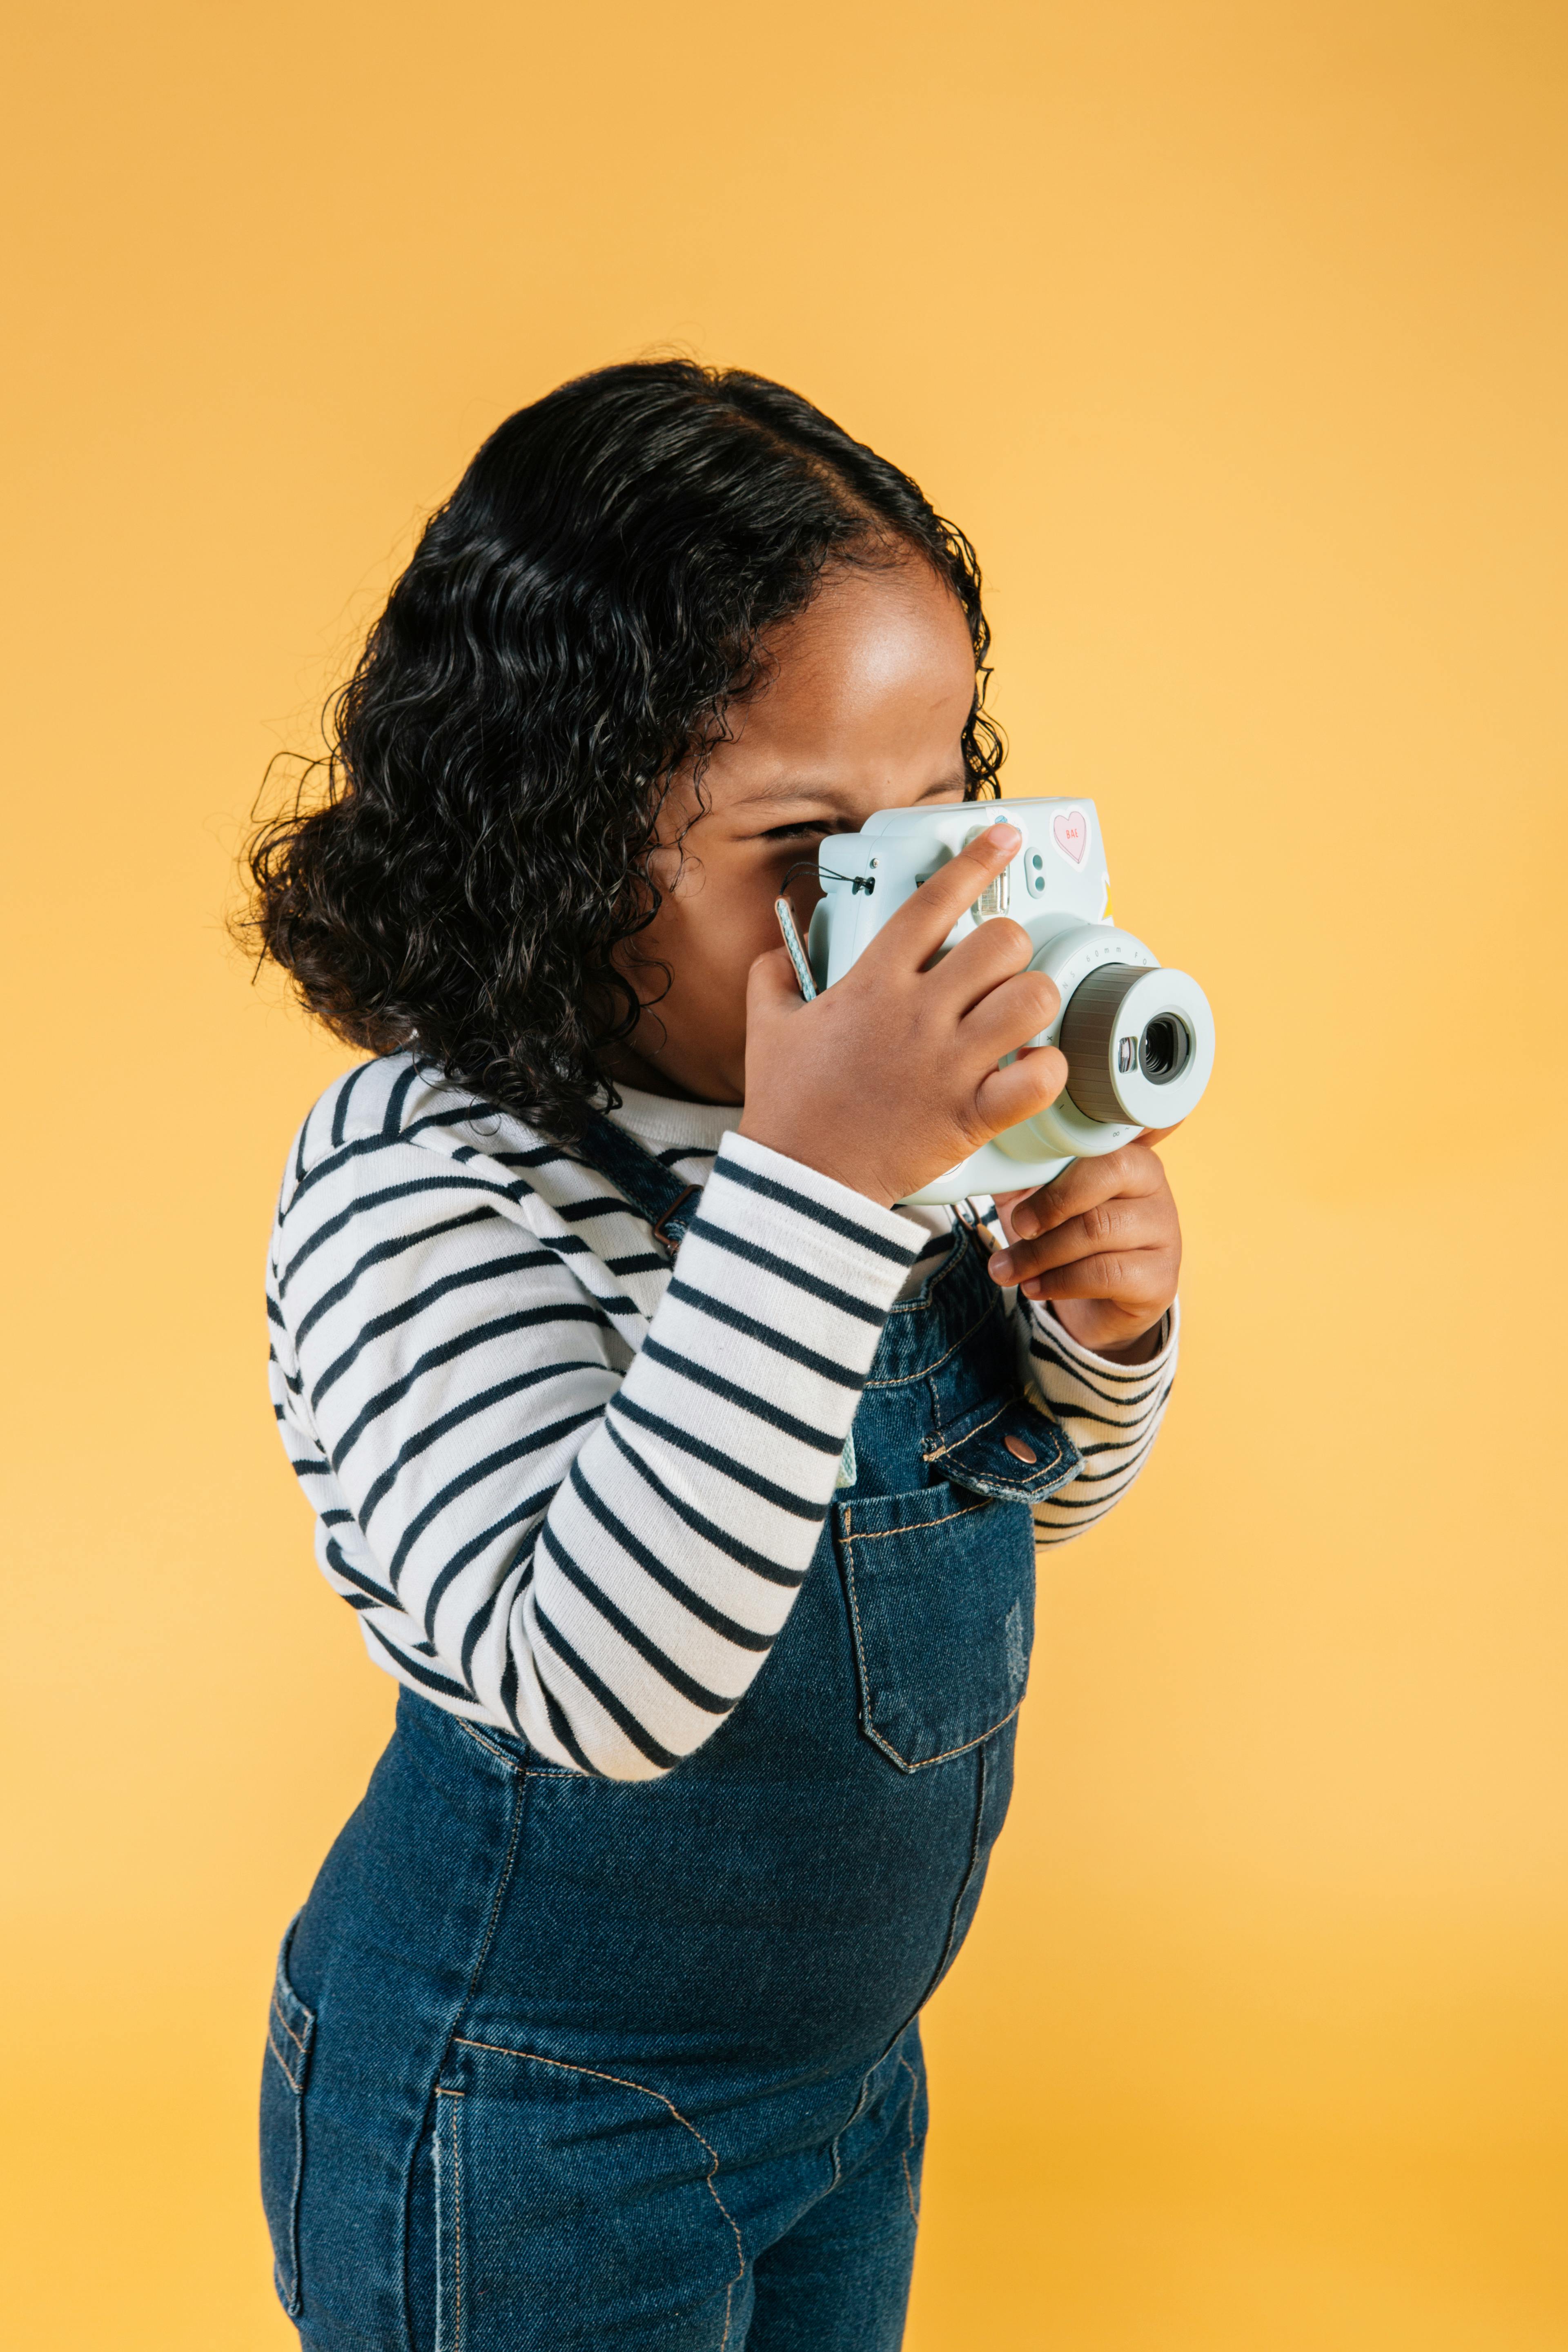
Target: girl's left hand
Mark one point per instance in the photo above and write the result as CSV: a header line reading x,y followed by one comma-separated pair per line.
x,y
1103,1243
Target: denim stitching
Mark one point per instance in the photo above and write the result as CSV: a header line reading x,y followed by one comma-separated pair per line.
x,y
621,2083
519,1778
976,1840
289,2078
528,1772
478,1738
914,2097
854,1615
288,2029
520,1808
905,1763
457,2237
944,1445
902,1379
513,1764
1025,1487
938,1273
919,1763
935,1385
914,1526
849,2125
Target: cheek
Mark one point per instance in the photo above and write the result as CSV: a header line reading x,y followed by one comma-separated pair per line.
x,y
719,943
709,940
723,915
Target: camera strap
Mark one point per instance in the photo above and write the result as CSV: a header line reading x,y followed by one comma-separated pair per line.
x,y
667,1200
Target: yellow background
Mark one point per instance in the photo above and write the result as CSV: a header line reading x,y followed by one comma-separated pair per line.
x,y
1233,331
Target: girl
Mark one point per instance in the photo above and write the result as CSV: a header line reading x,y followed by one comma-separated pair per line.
x,y
689,1487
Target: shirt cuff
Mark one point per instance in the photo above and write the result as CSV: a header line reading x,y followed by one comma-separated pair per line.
x,y
1062,1339
843,1236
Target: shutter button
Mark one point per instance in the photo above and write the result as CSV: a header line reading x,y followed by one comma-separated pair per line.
x,y
1016,1447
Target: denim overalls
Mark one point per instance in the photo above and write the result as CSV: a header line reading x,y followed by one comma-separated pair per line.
x,y
559,2062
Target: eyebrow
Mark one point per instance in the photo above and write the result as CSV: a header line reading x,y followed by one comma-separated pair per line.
x,y
786,796
801,796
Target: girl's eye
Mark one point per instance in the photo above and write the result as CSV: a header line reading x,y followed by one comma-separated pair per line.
x,y
794,833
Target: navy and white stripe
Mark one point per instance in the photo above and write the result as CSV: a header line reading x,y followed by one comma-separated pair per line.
x,y
1112,1411
568,1493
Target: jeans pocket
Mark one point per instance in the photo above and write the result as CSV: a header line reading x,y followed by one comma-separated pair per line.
x,y
573,2209
290,2030
940,1588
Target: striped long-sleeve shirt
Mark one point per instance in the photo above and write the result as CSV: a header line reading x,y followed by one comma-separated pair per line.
x,y
570,1492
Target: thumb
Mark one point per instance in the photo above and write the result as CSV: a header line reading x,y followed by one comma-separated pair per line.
x,y
771,984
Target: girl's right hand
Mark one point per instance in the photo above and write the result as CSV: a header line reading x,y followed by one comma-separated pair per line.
x,y
890,1076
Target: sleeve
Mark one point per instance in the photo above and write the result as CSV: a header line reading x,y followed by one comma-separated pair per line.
x,y
1111,1412
596,1555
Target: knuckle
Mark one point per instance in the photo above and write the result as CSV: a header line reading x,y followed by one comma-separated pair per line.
x,y
1008,939
1041,993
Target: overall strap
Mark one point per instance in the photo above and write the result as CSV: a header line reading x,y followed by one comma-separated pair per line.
x,y
668,1202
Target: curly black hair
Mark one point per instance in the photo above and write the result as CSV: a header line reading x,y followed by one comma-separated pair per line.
x,y
574,625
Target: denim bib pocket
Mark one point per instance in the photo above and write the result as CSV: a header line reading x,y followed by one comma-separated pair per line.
x,y
290,2030
940,1588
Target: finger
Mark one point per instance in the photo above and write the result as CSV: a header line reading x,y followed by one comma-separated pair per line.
x,y
913,935
1136,1278
1008,1014
771,984
1114,1226
1024,1087
1084,1183
981,962
1005,1203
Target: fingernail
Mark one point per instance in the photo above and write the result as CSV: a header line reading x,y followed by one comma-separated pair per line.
x,y
1025,1225
1002,1266
1006,837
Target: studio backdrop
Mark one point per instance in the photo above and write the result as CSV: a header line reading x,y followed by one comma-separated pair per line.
x,y
1235,335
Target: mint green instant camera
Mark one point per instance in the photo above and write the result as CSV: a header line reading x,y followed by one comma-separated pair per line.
x,y
1139,1040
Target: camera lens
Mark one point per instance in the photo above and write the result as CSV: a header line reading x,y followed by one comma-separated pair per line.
x,y
1139,1042
1164,1049
1089,1038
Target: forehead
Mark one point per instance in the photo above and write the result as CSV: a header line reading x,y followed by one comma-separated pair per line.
x,y
881,652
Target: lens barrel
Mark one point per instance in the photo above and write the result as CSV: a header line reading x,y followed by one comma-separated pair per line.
x,y
1138,1037
1104,1039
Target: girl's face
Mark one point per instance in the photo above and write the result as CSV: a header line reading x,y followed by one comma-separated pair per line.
x,y
864,709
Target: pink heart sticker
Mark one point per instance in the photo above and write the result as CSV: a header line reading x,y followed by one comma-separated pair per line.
x,y
1070,832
